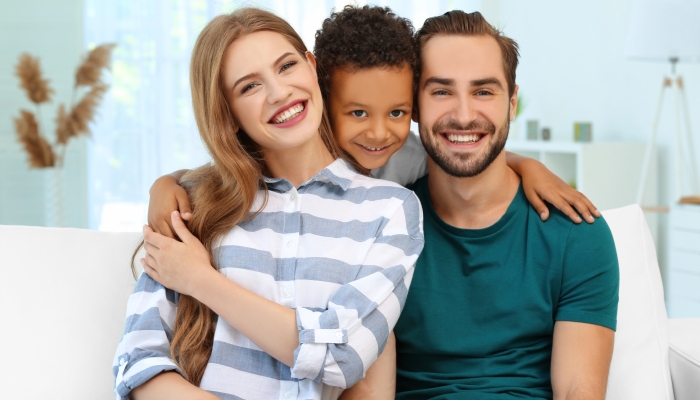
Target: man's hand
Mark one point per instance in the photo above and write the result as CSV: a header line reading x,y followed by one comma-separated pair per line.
x,y
581,355
179,266
167,196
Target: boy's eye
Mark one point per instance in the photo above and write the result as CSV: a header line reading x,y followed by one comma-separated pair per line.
x,y
359,113
287,65
396,114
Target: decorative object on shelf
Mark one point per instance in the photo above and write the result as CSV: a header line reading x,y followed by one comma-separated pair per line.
x,y
690,200
583,132
668,31
546,133
532,129
71,121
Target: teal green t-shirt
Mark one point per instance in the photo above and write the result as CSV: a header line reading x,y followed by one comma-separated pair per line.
x,y
479,317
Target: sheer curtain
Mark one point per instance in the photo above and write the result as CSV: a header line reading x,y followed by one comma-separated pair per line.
x,y
145,126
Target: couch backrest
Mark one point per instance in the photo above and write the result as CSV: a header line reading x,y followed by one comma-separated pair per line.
x,y
639,367
63,295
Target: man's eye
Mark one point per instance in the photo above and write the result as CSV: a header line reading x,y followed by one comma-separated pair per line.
x,y
396,114
440,92
359,113
287,65
483,93
248,87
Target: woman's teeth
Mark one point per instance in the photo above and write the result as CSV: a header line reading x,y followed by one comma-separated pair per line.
x,y
472,138
289,113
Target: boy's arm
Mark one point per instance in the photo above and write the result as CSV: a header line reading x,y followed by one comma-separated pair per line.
x,y
167,196
380,381
540,184
581,355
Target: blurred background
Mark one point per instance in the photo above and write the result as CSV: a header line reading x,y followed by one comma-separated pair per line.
x,y
594,67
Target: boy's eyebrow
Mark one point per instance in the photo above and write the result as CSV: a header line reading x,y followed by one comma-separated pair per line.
x,y
360,105
254,74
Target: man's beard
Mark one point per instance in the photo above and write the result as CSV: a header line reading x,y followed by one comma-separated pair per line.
x,y
464,165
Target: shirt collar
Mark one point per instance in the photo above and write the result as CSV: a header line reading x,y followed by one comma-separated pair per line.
x,y
339,172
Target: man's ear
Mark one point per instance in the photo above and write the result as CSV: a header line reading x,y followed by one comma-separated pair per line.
x,y
514,103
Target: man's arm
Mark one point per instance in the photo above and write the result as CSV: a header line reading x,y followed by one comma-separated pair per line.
x,y
380,381
581,355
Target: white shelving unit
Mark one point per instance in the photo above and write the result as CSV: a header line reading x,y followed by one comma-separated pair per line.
x,y
607,173
683,284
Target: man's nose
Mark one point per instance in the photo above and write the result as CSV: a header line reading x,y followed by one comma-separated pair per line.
x,y
465,112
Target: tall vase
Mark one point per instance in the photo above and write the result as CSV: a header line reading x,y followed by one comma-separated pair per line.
x,y
54,197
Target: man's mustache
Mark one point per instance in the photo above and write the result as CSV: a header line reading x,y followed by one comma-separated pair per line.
x,y
452,125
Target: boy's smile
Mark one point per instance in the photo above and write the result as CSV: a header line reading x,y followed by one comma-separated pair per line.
x,y
371,111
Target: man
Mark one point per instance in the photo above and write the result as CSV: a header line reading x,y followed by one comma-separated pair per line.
x,y
502,305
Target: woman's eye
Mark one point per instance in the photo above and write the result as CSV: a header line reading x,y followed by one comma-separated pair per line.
x,y
396,114
287,65
359,113
248,87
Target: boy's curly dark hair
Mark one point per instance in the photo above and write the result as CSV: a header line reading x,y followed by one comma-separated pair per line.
x,y
363,37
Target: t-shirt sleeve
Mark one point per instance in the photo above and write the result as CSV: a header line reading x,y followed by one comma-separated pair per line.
x,y
407,165
590,276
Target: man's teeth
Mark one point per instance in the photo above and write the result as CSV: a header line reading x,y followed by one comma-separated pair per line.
x,y
473,138
289,113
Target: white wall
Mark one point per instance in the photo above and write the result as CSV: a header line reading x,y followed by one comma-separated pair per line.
x,y
52,30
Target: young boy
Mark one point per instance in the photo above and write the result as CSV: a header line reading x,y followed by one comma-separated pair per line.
x,y
366,65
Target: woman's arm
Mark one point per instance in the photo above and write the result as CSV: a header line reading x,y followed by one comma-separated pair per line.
x,y
540,184
167,196
380,381
170,386
303,338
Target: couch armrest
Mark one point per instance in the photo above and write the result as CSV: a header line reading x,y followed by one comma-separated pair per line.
x,y
684,357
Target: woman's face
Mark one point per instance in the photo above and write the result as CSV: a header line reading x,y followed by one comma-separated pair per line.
x,y
272,90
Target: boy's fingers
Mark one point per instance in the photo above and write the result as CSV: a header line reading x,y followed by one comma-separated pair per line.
x,y
564,206
538,205
183,203
582,209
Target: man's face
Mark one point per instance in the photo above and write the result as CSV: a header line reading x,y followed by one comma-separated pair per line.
x,y
463,102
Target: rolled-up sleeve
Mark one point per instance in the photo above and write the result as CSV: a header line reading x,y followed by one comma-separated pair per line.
x,y
144,350
338,345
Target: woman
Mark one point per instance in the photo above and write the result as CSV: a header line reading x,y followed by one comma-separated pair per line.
x,y
306,295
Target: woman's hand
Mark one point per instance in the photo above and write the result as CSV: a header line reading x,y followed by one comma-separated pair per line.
x,y
167,196
179,266
540,184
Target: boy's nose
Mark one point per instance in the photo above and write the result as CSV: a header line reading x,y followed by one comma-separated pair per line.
x,y
379,131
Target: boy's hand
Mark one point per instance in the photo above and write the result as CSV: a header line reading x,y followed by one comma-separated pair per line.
x,y
167,196
540,184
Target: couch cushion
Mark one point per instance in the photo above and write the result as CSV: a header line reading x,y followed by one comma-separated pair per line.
x,y
639,368
63,295
684,357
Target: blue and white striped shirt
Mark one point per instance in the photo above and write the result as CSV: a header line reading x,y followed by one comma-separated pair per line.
x,y
340,249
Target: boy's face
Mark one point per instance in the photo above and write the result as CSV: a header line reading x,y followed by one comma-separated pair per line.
x,y
370,112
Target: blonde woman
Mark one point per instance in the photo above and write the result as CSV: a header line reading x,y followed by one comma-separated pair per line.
x,y
305,262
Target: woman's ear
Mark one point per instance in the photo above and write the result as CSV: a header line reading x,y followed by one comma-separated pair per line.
x,y
310,59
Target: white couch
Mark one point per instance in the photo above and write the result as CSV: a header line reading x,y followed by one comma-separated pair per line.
x,y
63,295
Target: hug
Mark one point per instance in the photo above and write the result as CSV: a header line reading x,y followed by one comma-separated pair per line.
x,y
329,252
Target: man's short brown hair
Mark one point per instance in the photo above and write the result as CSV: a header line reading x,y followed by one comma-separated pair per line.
x,y
458,22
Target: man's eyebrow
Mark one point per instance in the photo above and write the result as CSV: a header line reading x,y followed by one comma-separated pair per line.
x,y
434,80
486,81
254,74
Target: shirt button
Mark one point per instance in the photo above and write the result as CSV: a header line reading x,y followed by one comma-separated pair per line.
x,y
289,243
287,395
293,196
287,294
339,334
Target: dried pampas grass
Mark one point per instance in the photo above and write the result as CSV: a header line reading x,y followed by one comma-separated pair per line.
x,y
41,155
76,122
31,80
89,72
71,122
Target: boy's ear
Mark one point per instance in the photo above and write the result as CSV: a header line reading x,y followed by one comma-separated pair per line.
x,y
414,113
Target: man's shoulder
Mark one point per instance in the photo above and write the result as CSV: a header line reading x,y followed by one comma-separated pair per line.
x,y
560,222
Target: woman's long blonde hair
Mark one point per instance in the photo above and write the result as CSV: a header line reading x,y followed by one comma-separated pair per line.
x,y
222,194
